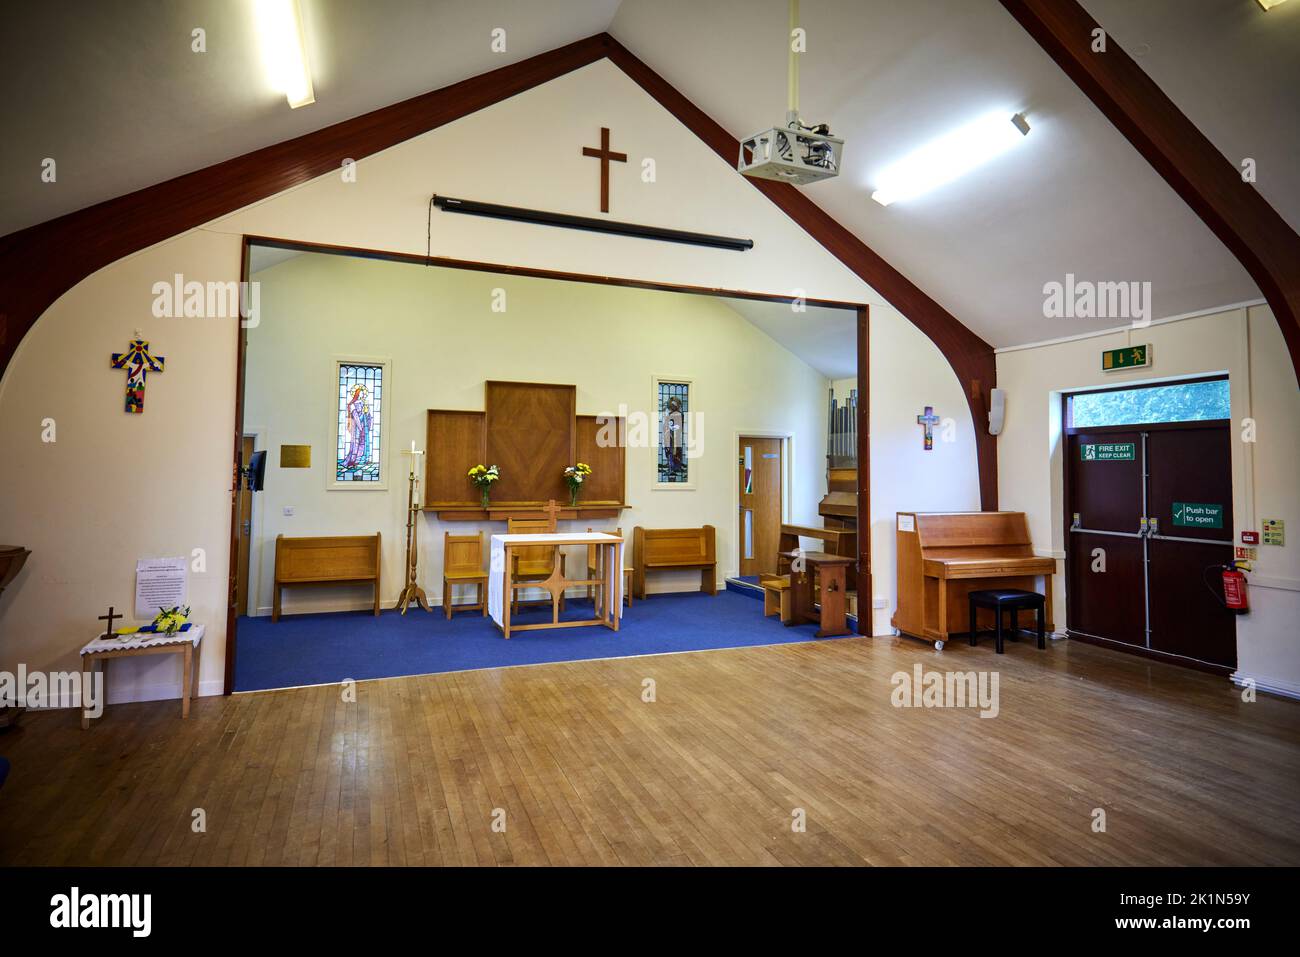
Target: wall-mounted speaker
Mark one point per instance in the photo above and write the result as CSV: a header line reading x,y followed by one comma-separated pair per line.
x,y
997,410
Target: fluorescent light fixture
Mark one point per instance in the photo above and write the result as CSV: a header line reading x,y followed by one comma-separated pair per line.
x,y
1270,4
950,156
284,49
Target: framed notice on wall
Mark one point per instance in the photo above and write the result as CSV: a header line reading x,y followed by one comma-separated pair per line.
x,y
676,424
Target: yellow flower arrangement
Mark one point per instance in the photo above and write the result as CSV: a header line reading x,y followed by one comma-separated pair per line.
x,y
482,477
575,475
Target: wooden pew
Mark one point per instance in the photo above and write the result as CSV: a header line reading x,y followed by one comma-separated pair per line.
x,y
944,556
327,559
835,541
675,548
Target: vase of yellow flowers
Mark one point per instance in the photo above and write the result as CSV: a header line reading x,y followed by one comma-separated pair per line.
x,y
482,477
575,475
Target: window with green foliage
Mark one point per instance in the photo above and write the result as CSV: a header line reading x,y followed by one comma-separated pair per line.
x,y
1185,402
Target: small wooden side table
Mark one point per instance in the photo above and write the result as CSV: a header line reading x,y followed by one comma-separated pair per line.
x,y
187,643
832,592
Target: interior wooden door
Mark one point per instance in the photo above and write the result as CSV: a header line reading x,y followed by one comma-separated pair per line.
x,y
245,532
759,473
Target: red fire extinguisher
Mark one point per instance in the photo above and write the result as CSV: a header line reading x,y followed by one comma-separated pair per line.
x,y
1235,597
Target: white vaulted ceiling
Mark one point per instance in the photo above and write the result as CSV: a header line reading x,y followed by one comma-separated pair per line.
x,y
825,338
113,92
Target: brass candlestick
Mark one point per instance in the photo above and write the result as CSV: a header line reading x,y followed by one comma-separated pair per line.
x,y
412,592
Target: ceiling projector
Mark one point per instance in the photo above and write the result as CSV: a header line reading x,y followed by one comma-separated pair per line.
x,y
793,153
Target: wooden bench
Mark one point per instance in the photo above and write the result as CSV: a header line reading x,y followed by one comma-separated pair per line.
x,y
675,548
325,560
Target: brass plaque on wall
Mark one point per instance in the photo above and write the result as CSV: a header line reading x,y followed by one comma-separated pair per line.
x,y
295,456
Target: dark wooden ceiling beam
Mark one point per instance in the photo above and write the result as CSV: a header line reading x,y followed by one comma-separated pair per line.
x,y
40,263
970,356
1209,183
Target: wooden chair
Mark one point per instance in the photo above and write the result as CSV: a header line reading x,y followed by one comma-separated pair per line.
x,y
535,562
462,564
627,568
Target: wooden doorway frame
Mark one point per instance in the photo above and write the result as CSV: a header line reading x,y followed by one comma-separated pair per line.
x,y
861,309
786,439
1068,429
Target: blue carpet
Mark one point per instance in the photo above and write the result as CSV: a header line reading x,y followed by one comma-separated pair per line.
x,y
326,648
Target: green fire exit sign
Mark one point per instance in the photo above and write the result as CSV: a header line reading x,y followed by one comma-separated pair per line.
x,y
1130,357
1108,451
1198,515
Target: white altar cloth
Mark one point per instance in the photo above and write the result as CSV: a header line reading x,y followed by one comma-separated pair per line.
x,y
497,566
145,639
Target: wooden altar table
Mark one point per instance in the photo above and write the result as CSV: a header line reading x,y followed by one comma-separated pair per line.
x,y
608,581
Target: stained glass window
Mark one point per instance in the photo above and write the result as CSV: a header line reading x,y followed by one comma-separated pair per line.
x,y
674,419
1184,402
360,409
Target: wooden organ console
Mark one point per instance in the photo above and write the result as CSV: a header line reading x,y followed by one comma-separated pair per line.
x,y
944,556
839,507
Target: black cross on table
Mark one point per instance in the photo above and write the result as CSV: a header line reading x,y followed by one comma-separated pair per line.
x,y
108,632
929,420
604,155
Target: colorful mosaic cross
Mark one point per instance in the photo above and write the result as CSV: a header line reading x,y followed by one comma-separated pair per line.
x,y
929,420
138,363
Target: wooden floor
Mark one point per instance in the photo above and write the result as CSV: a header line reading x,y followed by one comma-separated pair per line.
x,y
709,773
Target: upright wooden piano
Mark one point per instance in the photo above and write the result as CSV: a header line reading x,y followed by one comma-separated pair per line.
x,y
944,556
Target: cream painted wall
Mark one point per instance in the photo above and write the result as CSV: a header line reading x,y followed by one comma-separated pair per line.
x,y
92,503
438,329
903,473
1247,344
113,488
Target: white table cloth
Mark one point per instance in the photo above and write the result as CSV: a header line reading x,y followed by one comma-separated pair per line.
x,y
144,639
497,566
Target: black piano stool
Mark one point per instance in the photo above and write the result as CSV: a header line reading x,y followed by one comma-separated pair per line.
x,y
1008,599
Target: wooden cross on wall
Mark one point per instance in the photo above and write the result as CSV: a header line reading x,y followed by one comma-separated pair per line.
x,y
604,155
929,420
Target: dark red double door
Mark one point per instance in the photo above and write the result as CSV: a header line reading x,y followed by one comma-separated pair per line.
x,y
1149,510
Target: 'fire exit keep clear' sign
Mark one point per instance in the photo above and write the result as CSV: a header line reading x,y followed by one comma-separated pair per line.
x,y
1108,451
